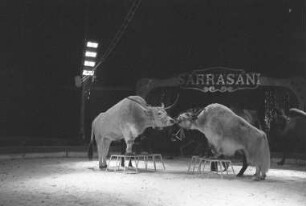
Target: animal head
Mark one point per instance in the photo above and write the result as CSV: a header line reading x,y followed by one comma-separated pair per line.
x,y
157,114
279,116
160,117
186,119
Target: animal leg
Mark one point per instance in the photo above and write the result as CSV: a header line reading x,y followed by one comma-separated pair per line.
x,y
225,165
282,162
257,174
129,151
263,176
244,165
100,151
123,151
129,146
214,166
123,163
106,145
216,152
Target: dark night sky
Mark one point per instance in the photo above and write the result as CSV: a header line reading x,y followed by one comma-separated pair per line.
x,y
42,42
44,39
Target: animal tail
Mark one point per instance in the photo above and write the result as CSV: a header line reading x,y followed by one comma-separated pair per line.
x,y
91,143
266,157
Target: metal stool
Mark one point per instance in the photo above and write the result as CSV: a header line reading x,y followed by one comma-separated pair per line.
x,y
194,162
125,158
218,162
155,157
136,158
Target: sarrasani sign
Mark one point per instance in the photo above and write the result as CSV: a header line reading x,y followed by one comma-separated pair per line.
x,y
219,79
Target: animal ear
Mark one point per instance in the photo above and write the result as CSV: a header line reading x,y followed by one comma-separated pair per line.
x,y
162,105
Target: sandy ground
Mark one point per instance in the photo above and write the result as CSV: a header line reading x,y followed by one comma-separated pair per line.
x,y
76,181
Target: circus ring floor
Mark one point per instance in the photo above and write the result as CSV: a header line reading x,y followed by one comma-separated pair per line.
x,y
77,181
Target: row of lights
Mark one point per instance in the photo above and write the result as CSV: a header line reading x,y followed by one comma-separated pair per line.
x,y
91,52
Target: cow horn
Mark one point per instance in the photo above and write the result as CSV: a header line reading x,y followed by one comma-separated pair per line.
x,y
176,100
298,112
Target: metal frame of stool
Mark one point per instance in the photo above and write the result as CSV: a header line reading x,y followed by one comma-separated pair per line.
x,y
219,163
137,158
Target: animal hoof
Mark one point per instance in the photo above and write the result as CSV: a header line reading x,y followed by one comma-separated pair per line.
x,y
239,175
102,167
256,178
129,165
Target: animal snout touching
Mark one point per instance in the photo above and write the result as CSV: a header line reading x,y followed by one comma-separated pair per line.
x,y
172,121
178,120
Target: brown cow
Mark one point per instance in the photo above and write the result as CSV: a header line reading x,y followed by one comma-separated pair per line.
x,y
229,133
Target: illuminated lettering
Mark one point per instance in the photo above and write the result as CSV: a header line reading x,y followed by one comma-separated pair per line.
x,y
230,79
250,79
220,80
190,80
210,78
239,80
200,79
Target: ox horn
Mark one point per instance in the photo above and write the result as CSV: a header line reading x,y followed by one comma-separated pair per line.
x,y
176,100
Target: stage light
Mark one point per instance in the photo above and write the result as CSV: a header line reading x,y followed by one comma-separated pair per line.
x,y
92,44
90,54
89,63
88,72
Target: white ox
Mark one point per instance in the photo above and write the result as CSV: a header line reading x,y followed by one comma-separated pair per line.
x,y
229,133
125,120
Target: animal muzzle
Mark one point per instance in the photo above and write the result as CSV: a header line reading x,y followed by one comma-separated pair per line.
x,y
172,121
178,120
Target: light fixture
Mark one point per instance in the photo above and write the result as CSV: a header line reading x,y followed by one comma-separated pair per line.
x,y
91,44
88,72
89,63
90,54
90,58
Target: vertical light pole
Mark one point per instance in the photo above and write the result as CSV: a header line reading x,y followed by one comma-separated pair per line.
x,y
89,62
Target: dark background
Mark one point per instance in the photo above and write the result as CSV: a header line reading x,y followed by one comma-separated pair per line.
x,y
42,43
